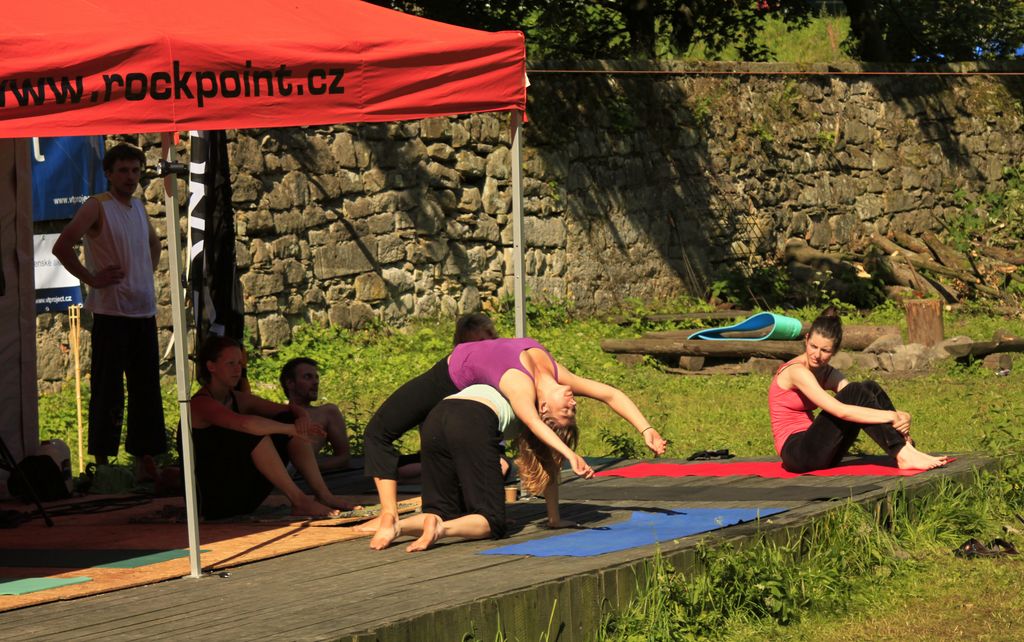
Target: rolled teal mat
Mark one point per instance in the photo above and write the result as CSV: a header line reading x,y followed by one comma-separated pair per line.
x,y
778,327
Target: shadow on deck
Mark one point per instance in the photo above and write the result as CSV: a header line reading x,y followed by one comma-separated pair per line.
x,y
344,591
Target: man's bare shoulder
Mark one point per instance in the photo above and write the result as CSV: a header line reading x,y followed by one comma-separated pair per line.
x,y
324,412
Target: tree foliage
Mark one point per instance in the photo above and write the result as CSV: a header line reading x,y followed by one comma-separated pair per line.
x,y
620,29
881,30
935,30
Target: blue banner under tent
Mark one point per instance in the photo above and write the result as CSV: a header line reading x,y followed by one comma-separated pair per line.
x,y
56,288
65,172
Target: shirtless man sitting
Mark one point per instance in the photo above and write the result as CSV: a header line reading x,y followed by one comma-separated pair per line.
x,y
300,380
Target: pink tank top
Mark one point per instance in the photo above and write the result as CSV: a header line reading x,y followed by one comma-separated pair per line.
x,y
486,361
790,410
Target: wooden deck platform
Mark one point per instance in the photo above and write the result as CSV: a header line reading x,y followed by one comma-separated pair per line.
x,y
346,591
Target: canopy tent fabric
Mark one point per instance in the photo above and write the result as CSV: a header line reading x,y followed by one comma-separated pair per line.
x,y
18,411
77,67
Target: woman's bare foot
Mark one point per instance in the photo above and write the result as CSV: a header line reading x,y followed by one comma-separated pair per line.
x,y
309,507
370,526
387,531
910,458
336,502
433,530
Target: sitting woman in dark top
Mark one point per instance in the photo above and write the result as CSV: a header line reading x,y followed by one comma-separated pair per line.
x,y
241,453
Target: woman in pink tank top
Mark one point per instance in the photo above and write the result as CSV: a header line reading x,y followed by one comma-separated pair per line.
x,y
807,442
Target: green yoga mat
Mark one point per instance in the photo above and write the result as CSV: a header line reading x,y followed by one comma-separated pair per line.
x,y
33,584
85,558
776,327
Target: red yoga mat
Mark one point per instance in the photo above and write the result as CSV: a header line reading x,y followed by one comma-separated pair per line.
x,y
772,469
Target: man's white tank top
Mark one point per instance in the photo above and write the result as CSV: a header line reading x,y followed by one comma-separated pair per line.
x,y
123,240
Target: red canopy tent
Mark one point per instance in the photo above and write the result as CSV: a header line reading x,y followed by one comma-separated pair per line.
x,y
78,67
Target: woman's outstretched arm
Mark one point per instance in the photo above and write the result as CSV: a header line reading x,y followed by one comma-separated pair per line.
x,y
617,401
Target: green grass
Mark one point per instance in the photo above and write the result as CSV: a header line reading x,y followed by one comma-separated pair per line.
x,y
820,41
954,409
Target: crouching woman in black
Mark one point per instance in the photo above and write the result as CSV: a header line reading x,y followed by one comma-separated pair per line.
x,y
463,486
241,453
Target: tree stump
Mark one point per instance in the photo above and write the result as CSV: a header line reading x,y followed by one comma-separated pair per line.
x,y
924,321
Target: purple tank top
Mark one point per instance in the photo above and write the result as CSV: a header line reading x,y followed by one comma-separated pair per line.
x,y
486,361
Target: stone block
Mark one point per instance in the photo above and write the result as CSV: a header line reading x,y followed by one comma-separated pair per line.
x,y
391,248
842,360
442,176
371,287
374,180
274,331
440,151
291,193
342,259
999,362
470,200
865,360
353,315
293,271
469,164
499,163
886,343
426,250
359,208
255,284
245,156
470,300
544,232
246,188
433,128
344,150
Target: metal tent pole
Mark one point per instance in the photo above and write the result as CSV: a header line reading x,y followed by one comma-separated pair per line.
x,y
181,365
518,264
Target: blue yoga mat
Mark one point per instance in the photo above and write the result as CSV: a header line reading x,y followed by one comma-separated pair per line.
x,y
640,529
777,327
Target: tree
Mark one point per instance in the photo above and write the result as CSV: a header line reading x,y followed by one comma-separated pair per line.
x,y
611,29
935,30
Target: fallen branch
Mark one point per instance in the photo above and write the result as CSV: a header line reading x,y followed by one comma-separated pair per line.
x,y
922,263
1000,254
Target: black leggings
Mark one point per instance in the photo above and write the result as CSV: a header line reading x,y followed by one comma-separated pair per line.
x,y
461,474
829,438
405,409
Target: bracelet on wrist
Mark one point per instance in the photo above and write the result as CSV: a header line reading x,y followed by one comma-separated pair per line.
x,y
646,429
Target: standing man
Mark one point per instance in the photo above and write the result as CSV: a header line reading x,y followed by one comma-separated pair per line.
x,y
300,381
122,251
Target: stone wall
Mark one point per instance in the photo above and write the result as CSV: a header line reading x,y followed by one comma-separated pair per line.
x,y
637,185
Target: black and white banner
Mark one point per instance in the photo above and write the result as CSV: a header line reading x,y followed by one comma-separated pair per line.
x,y
216,292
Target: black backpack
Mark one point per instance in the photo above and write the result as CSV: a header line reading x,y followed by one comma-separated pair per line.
x,y
43,474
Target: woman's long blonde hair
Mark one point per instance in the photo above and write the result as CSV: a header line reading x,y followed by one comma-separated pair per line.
x,y
538,464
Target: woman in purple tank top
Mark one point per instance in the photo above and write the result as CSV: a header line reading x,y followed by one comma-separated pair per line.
x,y
542,395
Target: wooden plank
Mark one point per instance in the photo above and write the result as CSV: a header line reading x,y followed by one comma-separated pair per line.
x,y
404,596
715,315
723,349
855,336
